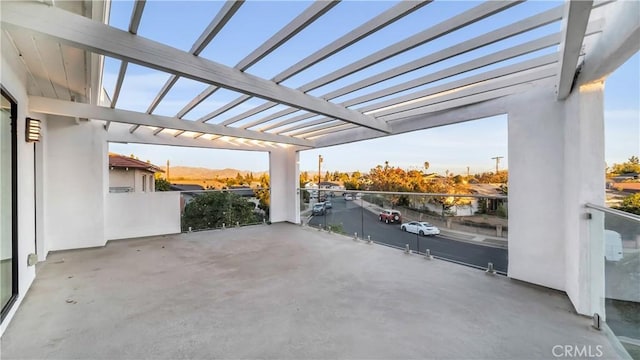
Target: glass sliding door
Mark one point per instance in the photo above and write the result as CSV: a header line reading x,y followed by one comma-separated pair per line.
x,y
8,204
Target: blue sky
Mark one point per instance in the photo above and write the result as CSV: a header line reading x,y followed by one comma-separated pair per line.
x,y
451,148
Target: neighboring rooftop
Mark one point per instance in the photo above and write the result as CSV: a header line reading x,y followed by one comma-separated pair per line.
x,y
127,162
247,293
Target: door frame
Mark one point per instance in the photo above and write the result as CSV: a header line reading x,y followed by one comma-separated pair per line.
x,y
14,202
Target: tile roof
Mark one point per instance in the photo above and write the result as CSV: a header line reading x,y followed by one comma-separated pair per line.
x,y
120,161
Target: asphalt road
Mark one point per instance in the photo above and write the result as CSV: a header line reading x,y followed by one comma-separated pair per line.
x,y
353,218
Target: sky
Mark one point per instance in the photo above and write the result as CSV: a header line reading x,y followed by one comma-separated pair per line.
x,y
454,147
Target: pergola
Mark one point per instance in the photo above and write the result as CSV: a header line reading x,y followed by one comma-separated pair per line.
x,y
543,49
542,64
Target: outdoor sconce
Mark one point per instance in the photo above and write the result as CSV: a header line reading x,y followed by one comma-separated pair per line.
x,y
33,130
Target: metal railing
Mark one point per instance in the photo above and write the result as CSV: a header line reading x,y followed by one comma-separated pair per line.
x,y
615,238
469,229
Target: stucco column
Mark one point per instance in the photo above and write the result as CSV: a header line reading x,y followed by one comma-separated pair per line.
x,y
584,174
284,174
556,166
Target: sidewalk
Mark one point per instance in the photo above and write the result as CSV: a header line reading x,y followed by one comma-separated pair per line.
x,y
480,239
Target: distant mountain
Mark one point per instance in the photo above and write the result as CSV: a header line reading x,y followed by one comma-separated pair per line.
x,y
188,172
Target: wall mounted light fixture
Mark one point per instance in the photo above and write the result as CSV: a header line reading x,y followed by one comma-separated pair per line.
x,y
32,133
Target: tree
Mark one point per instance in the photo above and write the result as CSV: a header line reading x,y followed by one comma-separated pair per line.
x,y
630,166
162,185
630,204
211,210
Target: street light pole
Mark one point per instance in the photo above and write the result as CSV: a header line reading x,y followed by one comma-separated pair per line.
x,y
319,178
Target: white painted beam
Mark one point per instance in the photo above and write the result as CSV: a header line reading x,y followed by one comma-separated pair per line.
x,y
288,121
136,16
99,38
308,16
475,14
474,64
266,106
134,23
322,120
481,92
574,27
393,14
145,135
310,129
225,108
519,27
378,108
468,17
617,43
273,116
299,23
318,134
223,16
71,109
464,113
330,130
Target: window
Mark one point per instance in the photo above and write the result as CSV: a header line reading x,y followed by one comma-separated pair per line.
x,y
8,203
144,182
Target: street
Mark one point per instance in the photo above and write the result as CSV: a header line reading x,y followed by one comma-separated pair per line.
x,y
353,218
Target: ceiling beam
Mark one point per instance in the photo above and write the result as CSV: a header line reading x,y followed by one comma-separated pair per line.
x,y
468,17
617,43
482,91
393,14
67,108
89,35
145,135
223,16
398,11
299,23
389,106
505,32
423,121
134,24
574,27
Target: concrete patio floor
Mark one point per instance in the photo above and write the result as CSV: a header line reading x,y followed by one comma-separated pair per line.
x,y
282,291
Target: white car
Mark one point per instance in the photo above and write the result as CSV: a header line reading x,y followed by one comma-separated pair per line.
x,y
420,228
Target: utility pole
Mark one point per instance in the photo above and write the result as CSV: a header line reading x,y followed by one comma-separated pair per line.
x,y
497,159
167,170
319,177
467,171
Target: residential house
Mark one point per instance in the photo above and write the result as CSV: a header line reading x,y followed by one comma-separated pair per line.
x,y
128,174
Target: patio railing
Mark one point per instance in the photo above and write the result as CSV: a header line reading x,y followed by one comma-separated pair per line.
x,y
469,229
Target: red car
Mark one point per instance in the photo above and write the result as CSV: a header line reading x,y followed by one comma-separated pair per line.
x,y
390,216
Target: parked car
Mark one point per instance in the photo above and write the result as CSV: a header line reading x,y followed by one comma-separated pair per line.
x,y
318,209
390,216
328,204
420,228
348,197
612,245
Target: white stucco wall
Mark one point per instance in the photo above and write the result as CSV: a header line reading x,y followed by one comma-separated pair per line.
x,y
13,79
122,178
556,166
132,178
76,163
284,174
584,183
536,185
130,215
